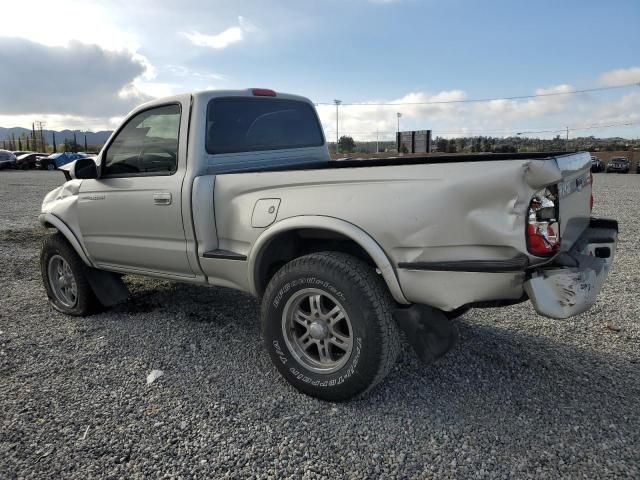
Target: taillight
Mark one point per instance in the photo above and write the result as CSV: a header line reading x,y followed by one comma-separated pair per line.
x,y
263,92
543,230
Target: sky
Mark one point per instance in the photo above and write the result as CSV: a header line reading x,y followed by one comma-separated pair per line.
x,y
86,63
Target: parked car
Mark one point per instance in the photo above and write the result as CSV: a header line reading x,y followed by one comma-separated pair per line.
x,y
56,160
596,165
343,255
28,160
618,165
7,159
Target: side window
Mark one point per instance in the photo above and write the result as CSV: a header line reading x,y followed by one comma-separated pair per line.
x,y
147,145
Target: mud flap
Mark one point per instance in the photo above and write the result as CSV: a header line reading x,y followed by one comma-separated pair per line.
x,y
428,330
107,287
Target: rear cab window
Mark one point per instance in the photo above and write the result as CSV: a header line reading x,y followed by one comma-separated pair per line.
x,y
242,124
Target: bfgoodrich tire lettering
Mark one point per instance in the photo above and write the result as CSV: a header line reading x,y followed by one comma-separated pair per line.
x,y
365,342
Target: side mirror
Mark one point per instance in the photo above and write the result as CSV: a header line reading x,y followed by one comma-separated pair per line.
x,y
83,168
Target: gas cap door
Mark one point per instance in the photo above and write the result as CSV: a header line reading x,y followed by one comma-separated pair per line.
x,y
265,212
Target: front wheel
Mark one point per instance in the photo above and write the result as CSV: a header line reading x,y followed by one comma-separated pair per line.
x,y
64,278
328,326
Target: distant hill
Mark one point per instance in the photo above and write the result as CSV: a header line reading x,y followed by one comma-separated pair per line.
x,y
93,138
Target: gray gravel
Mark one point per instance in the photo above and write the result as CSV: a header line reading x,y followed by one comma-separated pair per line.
x,y
520,396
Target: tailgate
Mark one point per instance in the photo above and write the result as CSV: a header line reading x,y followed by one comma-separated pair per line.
x,y
574,192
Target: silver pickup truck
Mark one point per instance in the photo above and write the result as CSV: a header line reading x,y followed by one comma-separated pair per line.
x,y
237,189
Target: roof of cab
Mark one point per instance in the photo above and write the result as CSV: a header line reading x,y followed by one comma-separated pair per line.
x,y
206,95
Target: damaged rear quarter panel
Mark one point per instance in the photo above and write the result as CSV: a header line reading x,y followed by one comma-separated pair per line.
x,y
429,212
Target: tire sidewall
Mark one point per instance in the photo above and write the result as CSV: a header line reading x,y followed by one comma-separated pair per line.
x,y
361,368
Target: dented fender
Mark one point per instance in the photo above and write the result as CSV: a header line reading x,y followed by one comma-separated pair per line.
x,y
60,210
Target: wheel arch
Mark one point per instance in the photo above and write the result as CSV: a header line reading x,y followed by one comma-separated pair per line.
x,y
338,234
49,220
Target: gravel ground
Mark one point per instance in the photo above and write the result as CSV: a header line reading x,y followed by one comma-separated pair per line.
x,y
519,397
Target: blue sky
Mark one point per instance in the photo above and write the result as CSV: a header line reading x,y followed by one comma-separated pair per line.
x,y
356,50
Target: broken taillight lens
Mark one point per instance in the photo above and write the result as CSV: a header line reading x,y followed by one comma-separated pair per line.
x,y
543,230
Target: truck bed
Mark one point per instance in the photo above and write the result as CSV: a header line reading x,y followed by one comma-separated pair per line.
x,y
301,163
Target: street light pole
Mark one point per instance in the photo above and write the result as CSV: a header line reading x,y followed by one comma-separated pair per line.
x,y
566,145
337,102
398,141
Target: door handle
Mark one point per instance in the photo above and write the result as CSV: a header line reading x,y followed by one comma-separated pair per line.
x,y
162,198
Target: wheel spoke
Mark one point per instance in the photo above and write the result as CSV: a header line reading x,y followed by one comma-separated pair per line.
x,y
306,341
340,341
314,303
323,350
335,315
302,318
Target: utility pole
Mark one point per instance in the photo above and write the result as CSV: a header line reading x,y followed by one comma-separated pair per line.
x,y
40,126
337,102
566,145
377,136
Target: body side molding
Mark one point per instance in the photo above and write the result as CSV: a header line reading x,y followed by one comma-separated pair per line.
x,y
516,264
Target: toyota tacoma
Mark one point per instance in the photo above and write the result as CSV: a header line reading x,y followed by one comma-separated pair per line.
x,y
237,189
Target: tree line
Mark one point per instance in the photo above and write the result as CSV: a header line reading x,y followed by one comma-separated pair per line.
x,y
35,141
347,144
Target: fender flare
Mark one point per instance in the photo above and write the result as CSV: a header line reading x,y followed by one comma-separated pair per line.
x,y
337,225
49,219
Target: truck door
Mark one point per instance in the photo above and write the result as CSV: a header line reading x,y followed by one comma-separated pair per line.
x,y
130,217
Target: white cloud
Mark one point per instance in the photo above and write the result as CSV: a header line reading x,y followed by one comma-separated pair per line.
x,y
223,39
496,117
182,72
157,89
55,24
621,76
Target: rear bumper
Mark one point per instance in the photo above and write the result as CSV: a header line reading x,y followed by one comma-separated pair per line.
x,y
571,283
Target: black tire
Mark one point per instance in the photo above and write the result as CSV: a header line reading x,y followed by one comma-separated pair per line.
x,y
365,299
55,247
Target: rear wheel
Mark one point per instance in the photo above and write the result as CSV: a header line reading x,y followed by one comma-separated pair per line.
x,y
51,166
64,277
328,326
